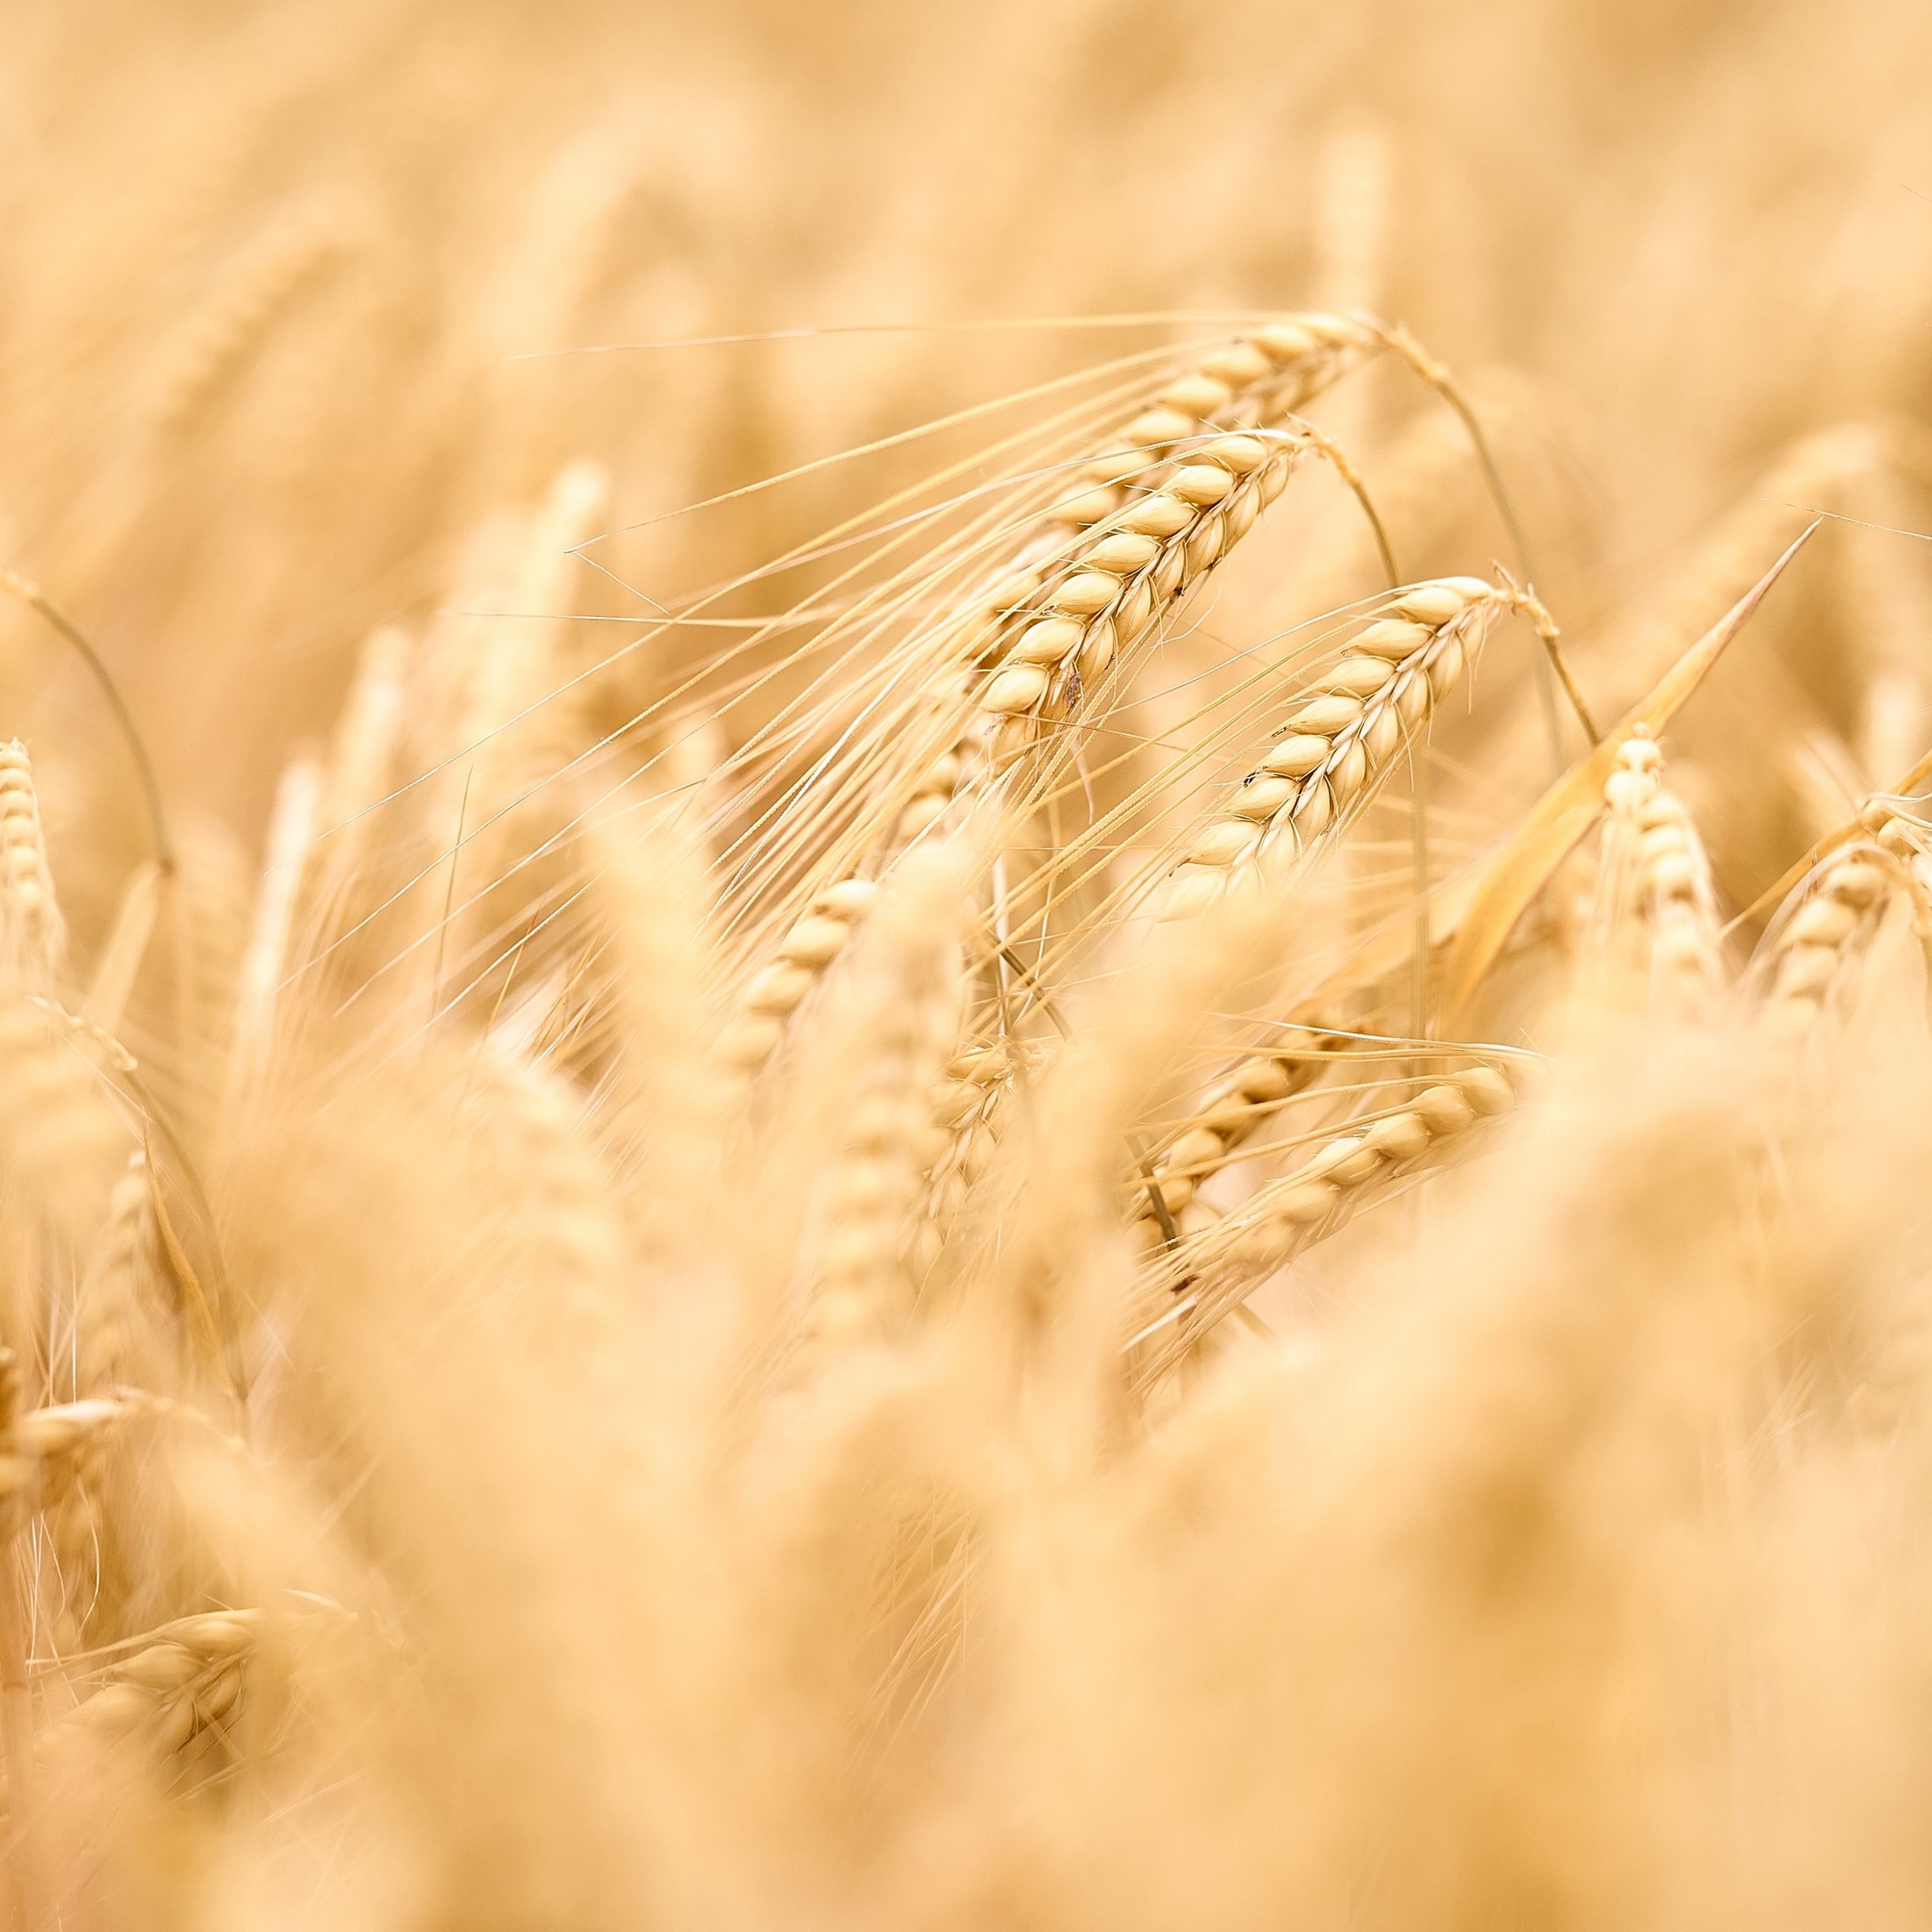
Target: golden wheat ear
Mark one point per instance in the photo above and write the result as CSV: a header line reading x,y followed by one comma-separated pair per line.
x,y
1653,936
1816,948
1338,747
1052,636
33,938
1199,1282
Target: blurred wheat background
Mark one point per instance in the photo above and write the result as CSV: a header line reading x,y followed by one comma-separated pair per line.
x,y
751,1175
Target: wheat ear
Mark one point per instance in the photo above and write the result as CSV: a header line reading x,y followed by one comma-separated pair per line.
x,y
1838,909
1230,1111
1182,484
1205,1277
871,1248
805,955
117,1328
217,342
1339,744
1177,495
970,1105
1654,884
31,934
60,1140
185,1677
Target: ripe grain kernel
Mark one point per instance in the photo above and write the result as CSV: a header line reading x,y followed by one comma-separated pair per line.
x,y
1807,971
1224,842
953,1102
942,775
1200,483
1678,949
1045,643
1443,1110
1226,1113
1262,797
1337,331
1265,1245
1242,454
1083,595
1315,812
1262,1078
1430,605
1401,1137
1160,515
1856,882
1446,667
1197,397
1090,506
1240,366
1346,1161
1306,1202
1096,650
1121,552
1014,592
1017,689
1136,611
1176,1190
1116,465
1192,890
1205,544
1381,733
1238,516
815,942
1393,638
1486,1090
1674,877
848,899
1199,1147
982,1065
1283,343
1298,754
1625,791
1154,428
1412,696
1359,676
750,1041
1324,716
776,991
1349,772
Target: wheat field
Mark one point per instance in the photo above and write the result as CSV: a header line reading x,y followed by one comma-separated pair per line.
x,y
966,970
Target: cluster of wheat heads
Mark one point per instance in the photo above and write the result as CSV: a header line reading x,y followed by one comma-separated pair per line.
x,y
957,1282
